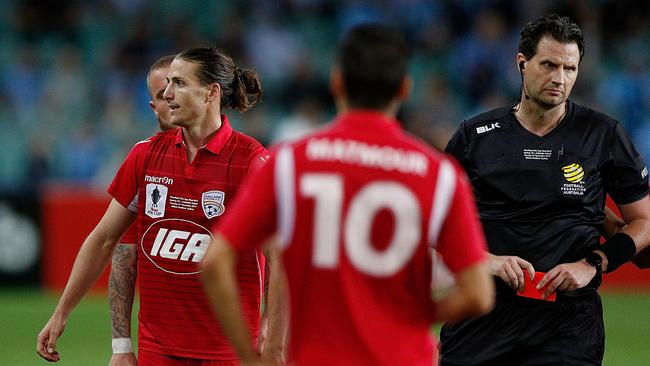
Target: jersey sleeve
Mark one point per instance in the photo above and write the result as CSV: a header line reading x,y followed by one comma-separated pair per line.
x,y
461,241
258,159
457,145
625,173
252,216
124,187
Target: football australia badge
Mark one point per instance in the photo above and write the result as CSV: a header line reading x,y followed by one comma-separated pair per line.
x,y
212,203
156,199
574,175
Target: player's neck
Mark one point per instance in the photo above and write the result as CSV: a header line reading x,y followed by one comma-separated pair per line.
x,y
343,107
538,120
199,134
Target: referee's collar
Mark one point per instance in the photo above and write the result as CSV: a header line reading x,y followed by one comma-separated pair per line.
x,y
217,142
367,119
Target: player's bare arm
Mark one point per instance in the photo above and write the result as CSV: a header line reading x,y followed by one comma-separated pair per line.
x,y
218,277
473,295
277,307
91,260
121,291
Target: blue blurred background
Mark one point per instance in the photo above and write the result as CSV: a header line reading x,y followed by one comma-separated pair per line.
x,y
73,95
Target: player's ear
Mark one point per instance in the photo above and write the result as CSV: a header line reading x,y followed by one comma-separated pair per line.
x,y
336,83
153,106
214,93
405,88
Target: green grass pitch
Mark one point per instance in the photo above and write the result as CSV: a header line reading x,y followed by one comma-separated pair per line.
x,y
86,340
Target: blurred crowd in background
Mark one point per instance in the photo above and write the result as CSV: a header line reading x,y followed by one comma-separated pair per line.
x,y
73,96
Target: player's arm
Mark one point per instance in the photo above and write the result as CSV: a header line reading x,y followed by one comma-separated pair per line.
x,y
121,291
219,283
91,260
277,307
473,295
461,244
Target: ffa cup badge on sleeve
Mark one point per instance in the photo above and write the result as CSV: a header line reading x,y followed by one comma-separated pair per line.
x,y
212,203
156,200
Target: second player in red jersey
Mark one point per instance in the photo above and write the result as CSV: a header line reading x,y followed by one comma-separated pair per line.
x,y
179,183
358,207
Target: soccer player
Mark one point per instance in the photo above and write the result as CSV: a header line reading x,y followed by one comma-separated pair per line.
x,y
179,183
357,207
121,283
540,172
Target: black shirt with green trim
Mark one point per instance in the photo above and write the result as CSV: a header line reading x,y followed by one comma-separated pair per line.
x,y
543,198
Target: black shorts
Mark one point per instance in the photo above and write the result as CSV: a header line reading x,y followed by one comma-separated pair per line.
x,y
522,331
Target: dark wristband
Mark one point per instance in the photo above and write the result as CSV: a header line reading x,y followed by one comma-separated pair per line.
x,y
619,249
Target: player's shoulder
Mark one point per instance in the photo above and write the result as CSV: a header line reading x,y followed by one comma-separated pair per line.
x,y
156,141
245,144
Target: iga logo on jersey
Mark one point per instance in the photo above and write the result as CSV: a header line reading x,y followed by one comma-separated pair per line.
x,y
212,202
156,200
176,245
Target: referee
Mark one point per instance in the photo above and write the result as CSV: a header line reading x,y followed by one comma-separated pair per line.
x,y
541,170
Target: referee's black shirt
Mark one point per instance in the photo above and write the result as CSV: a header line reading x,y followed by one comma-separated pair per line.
x,y
542,198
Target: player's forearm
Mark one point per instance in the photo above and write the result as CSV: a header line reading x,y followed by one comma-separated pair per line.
x,y
277,311
121,289
473,295
219,283
91,260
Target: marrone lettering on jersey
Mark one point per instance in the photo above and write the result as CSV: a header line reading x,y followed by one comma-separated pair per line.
x,y
159,180
372,156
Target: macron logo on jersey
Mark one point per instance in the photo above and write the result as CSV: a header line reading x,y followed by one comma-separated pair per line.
x,y
371,156
487,128
159,180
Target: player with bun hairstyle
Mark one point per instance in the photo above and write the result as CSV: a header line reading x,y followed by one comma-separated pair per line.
x,y
179,183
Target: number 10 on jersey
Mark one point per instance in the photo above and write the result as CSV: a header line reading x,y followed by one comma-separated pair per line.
x,y
327,190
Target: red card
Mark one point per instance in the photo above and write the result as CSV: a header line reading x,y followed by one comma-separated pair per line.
x,y
530,288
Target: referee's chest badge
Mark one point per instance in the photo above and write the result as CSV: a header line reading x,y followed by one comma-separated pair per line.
x,y
212,203
574,175
156,200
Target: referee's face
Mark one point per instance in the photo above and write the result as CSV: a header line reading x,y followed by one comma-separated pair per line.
x,y
186,97
551,73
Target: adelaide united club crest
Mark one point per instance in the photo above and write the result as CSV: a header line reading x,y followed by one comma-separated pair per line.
x,y
212,203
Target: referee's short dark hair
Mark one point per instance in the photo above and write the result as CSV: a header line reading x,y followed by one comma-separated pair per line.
x,y
562,29
373,59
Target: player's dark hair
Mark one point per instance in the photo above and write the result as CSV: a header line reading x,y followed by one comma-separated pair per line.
x,y
373,59
240,88
562,29
160,63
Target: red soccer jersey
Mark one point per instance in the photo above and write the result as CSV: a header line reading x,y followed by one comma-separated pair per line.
x,y
357,207
177,202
